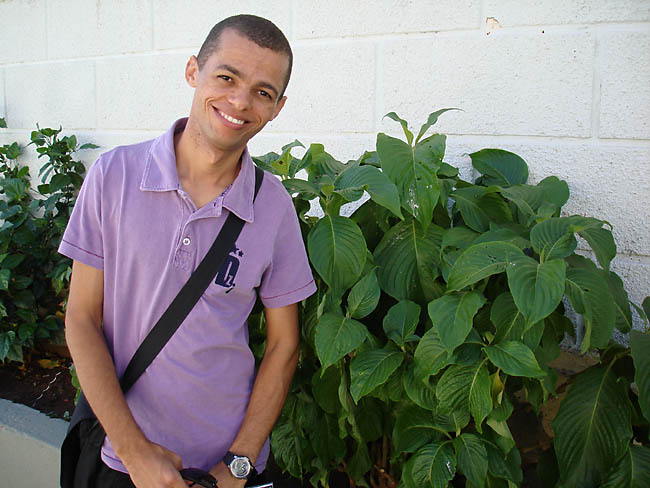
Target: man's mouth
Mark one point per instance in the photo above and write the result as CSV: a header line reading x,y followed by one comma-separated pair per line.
x,y
230,118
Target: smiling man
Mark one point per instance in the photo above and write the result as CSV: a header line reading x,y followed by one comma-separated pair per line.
x,y
144,219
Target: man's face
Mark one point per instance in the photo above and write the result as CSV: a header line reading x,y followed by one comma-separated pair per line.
x,y
237,91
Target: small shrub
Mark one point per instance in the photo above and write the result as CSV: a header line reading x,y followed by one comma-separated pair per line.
x,y
33,275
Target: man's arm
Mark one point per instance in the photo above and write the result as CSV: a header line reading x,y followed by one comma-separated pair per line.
x,y
269,391
149,465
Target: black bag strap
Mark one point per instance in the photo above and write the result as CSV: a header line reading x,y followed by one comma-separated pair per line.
x,y
184,302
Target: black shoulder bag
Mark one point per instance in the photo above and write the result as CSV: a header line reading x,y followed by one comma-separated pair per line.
x,y
81,449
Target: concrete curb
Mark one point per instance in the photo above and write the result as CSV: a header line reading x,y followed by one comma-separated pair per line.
x,y
29,447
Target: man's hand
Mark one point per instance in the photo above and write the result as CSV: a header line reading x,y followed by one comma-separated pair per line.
x,y
224,477
153,466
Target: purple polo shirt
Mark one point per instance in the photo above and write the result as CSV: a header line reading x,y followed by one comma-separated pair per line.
x,y
133,221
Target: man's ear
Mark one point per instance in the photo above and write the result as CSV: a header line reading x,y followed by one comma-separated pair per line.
x,y
192,71
279,106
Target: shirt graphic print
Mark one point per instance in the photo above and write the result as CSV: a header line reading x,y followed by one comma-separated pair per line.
x,y
228,271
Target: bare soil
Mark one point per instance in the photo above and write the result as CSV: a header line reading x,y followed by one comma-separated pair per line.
x,y
42,382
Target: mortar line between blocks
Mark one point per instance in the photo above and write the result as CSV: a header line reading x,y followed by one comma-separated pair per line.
x,y
292,21
4,92
46,30
596,91
153,25
483,15
379,86
96,94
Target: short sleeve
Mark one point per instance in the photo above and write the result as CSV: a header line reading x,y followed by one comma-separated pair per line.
x,y
82,239
288,279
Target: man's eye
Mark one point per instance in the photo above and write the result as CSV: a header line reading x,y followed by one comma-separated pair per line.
x,y
225,77
265,94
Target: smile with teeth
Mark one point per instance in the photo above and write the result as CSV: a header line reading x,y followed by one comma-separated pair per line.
x,y
231,119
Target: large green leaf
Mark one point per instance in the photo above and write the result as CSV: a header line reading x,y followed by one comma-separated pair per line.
x,y
555,191
500,167
284,163
509,322
360,462
337,250
408,260
553,238
515,359
514,235
413,171
602,243
405,126
430,355
472,458
480,398
5,276
364,296
452,316
369,417
287,447
640,346
453,422
433,466
480,261
302,187
420,391
479,206
458,238
379,187
431,120
527,198
414,427
505,466
323,436
372,368
14,188
319,163
336,336
601,240
632,471
592,428
401,320
623,312
537,288
325,384
453,389
590,296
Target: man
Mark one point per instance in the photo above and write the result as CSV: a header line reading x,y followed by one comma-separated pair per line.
x,y
145,218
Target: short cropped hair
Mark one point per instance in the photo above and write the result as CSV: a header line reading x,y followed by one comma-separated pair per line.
x,y
261,31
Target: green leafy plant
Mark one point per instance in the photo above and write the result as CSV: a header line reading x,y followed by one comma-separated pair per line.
x,y
439,312
33,275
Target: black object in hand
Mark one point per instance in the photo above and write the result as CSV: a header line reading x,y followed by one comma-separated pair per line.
x,y
198,477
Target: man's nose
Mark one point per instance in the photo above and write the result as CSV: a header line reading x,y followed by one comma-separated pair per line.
x,y
239,98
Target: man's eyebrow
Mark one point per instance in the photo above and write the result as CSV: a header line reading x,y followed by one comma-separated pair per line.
x,y
232,69
236,72
270,87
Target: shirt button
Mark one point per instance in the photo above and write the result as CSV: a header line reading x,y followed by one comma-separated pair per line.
x,y
187,241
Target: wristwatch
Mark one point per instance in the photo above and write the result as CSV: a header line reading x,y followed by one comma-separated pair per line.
x,y
240,466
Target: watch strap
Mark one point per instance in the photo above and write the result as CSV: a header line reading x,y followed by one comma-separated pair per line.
x,y
229,457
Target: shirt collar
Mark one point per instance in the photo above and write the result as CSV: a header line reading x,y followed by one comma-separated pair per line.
x,y
160,174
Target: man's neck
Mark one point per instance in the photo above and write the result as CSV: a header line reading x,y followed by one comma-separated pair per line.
x,y
204,172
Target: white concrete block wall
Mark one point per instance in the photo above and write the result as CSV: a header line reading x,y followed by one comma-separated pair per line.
x,y
624,73
564,83
79,28
23,31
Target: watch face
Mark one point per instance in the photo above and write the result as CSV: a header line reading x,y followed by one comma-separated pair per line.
x,y
240,467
